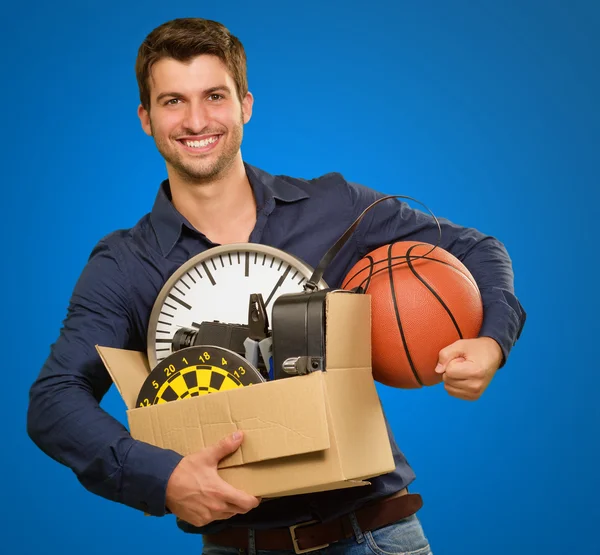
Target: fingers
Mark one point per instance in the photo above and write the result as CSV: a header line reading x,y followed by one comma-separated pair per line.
x,y
220,509
224,497
464,380
459,369
197,494
214,504
224,447
228,498
447,354
237,499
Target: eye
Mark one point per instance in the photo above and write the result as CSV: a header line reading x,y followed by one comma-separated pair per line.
x,y
216,96
172,102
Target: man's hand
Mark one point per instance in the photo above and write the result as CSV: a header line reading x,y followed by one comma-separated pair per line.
x,y
468,366
196,493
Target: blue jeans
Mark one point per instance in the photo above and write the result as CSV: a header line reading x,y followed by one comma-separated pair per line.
x,y
404,537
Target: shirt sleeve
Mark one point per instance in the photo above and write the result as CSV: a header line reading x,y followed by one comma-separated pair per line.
x,y
64,417
484,256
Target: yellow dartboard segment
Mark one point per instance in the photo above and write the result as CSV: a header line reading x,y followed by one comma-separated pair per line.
x,y
196,371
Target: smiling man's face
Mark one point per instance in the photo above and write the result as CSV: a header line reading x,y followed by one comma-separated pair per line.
x,y
195,117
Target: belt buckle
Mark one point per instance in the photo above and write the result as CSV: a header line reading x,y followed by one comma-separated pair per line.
x,y
295,540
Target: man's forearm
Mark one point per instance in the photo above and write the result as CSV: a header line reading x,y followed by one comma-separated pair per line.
x,y
67,423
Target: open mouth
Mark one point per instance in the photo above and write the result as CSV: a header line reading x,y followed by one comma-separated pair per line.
x,y
200,145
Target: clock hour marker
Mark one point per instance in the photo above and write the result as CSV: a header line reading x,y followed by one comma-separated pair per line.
x,y
182,303
190,276
247,269
179,290
212,279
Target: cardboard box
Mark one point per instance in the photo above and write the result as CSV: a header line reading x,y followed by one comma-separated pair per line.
x,y
302,434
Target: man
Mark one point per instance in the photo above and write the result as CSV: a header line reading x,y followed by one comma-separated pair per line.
x,y
194,103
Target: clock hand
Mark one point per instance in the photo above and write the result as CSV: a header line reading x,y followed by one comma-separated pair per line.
x,y
278,284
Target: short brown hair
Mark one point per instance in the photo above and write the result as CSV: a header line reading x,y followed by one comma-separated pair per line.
x,y
185,38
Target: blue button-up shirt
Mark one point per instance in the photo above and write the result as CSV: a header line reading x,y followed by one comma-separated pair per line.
x,y
114,296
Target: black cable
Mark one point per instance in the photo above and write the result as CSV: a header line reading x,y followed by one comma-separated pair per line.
x,y
311,284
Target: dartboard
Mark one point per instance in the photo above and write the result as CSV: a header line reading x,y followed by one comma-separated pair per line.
x,y
196,371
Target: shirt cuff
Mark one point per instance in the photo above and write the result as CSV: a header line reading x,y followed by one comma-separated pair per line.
x,y
146,473
503,323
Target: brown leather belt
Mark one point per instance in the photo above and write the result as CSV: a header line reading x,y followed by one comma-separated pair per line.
x,y
312,535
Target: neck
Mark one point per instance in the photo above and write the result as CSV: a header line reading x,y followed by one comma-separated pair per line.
x,y
222,208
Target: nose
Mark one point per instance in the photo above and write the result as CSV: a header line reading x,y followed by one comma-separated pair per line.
x,y
196,116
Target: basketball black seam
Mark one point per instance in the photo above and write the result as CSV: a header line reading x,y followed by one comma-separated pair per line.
x,y
446,308
371,264
398,321
374,273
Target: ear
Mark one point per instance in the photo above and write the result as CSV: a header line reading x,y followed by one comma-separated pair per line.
x,y
145,120
247,104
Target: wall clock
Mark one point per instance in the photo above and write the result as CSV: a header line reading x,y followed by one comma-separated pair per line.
x,y
216,285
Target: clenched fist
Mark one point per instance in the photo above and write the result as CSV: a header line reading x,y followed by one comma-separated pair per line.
x,y
468,366
196,493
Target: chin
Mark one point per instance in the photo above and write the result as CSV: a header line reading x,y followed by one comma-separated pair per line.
x,y
204,172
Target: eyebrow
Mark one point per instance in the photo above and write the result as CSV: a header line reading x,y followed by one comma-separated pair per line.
x,y
211,90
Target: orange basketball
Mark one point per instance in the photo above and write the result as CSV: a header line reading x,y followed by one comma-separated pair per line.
x,y
419,305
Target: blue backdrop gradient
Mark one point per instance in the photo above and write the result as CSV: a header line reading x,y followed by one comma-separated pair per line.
x,y
485,111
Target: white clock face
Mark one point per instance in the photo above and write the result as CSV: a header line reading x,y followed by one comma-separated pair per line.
x,y
216,285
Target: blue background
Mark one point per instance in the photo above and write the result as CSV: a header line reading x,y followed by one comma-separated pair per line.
x,y
486,111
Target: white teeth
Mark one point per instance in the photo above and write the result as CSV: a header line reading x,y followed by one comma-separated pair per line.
x,y
200,144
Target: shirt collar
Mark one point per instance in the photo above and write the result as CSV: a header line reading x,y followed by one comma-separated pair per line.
x,y
167,221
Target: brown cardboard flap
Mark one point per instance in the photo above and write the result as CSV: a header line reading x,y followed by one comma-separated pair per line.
x,y
348,337
355,411
128,370
317,471
309,472
280,418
